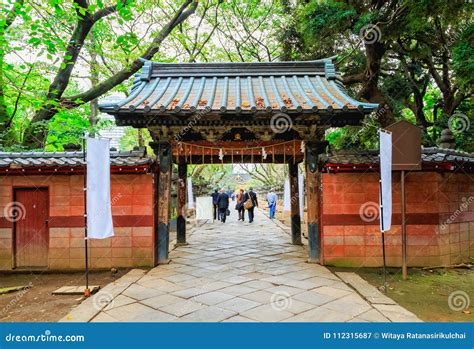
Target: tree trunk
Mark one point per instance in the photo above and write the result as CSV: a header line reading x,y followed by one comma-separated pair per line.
x,y
141,141
94,78
4,117
59,84
55,97
370,90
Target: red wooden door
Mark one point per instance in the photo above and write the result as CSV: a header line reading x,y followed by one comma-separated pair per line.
x,y
31,227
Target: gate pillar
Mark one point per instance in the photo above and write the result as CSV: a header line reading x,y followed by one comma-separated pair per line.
x,y
313,190
295,204
182,191
162,207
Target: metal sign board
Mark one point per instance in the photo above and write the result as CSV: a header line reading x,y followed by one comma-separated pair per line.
x,y
406,143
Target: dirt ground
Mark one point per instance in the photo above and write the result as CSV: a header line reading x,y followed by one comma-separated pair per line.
x,y
426,292
36,303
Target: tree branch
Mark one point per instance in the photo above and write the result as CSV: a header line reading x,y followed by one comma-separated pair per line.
x,y
12,14
17,100
186,10
434,73
354,79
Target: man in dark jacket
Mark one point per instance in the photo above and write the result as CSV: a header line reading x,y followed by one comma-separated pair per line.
x,y
223,205
215,196
253,197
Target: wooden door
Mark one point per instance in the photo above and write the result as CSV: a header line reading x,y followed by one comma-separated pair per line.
x,y
31,227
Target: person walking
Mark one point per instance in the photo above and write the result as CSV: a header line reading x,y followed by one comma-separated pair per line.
x,y
250,202
223,205
272,200
215,196
239,206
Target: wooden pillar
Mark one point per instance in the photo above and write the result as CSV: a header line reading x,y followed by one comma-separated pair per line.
x,y
313,186
295,204
404,226
156,204
182,188
162,209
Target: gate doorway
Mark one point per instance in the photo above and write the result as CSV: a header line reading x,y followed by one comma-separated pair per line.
x,y
31,234
288,153
218,112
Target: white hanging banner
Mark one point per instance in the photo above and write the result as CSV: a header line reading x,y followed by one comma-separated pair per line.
x,y
190,193
385,141
99,209
286,196
204,208
301,194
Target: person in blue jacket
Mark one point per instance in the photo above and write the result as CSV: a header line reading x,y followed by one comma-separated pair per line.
x,y
272,201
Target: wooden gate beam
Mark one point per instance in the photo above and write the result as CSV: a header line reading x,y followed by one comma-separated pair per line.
x,y
313,190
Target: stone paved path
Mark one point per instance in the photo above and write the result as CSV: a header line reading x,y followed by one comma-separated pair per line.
x,y
241,272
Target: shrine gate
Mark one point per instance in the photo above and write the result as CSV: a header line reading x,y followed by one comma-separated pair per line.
x,y
202,113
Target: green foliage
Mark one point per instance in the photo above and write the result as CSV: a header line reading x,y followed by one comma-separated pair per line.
x,y
67,127
70,126
207,178
465,136
131,139
463,57
322,26
412,33
351,137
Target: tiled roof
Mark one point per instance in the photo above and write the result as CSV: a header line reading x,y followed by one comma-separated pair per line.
x,y
290,87
69,159
429,155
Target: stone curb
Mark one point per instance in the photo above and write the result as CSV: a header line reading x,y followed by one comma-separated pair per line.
x,y
385,305
93,305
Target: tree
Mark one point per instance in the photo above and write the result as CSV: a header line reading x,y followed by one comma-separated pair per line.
x,y
267,176
50,32
7,19
398,53
231,30
208,177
